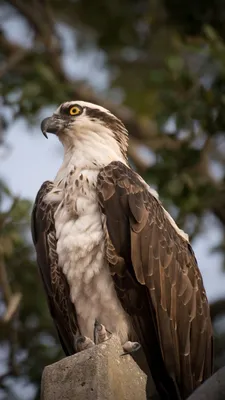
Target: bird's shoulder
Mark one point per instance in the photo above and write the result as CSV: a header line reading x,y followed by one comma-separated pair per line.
x,y
42,212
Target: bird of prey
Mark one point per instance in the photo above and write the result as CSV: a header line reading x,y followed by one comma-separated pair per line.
x,y
113,260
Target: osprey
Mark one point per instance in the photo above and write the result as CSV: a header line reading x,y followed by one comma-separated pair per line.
x,y
113,260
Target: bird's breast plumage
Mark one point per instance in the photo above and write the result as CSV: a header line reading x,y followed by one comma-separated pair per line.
x,y
81,252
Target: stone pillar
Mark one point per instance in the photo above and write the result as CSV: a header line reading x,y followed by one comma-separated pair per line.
x,y
99,373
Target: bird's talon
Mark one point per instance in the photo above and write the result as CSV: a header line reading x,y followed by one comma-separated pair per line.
x,y
83,343
101,334
130,347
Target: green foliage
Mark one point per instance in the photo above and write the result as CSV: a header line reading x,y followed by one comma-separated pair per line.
x,y
29,330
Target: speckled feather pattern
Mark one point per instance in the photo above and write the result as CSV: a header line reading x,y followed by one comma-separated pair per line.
x,y
81,253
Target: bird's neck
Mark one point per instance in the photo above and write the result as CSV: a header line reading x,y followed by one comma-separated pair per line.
x,y
88,155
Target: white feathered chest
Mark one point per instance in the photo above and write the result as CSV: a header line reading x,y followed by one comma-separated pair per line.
x,y
81,251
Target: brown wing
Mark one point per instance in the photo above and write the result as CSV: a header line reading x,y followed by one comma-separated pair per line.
x,y
55,284
160,286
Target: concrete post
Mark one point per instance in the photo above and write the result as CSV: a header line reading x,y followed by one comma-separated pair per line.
x,y
99,373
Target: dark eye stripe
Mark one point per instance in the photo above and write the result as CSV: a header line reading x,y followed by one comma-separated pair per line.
x,y
108,119
111,122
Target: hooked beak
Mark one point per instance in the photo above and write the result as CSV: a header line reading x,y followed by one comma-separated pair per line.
x,y
51,125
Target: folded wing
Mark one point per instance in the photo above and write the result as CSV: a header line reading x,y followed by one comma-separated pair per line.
x,y
160,285
55,284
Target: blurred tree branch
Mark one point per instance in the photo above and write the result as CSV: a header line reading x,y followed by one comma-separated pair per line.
x,y
12,62
12,300
217,308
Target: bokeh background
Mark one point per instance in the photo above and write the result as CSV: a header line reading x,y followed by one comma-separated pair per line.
x,y
159,65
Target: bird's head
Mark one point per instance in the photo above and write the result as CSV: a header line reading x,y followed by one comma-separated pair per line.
x,y
80,124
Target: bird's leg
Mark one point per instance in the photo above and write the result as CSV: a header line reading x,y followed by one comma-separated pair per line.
x,y
83,343
101,334
130,348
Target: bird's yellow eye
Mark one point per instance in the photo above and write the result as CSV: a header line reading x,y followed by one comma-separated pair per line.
x,y
75,110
